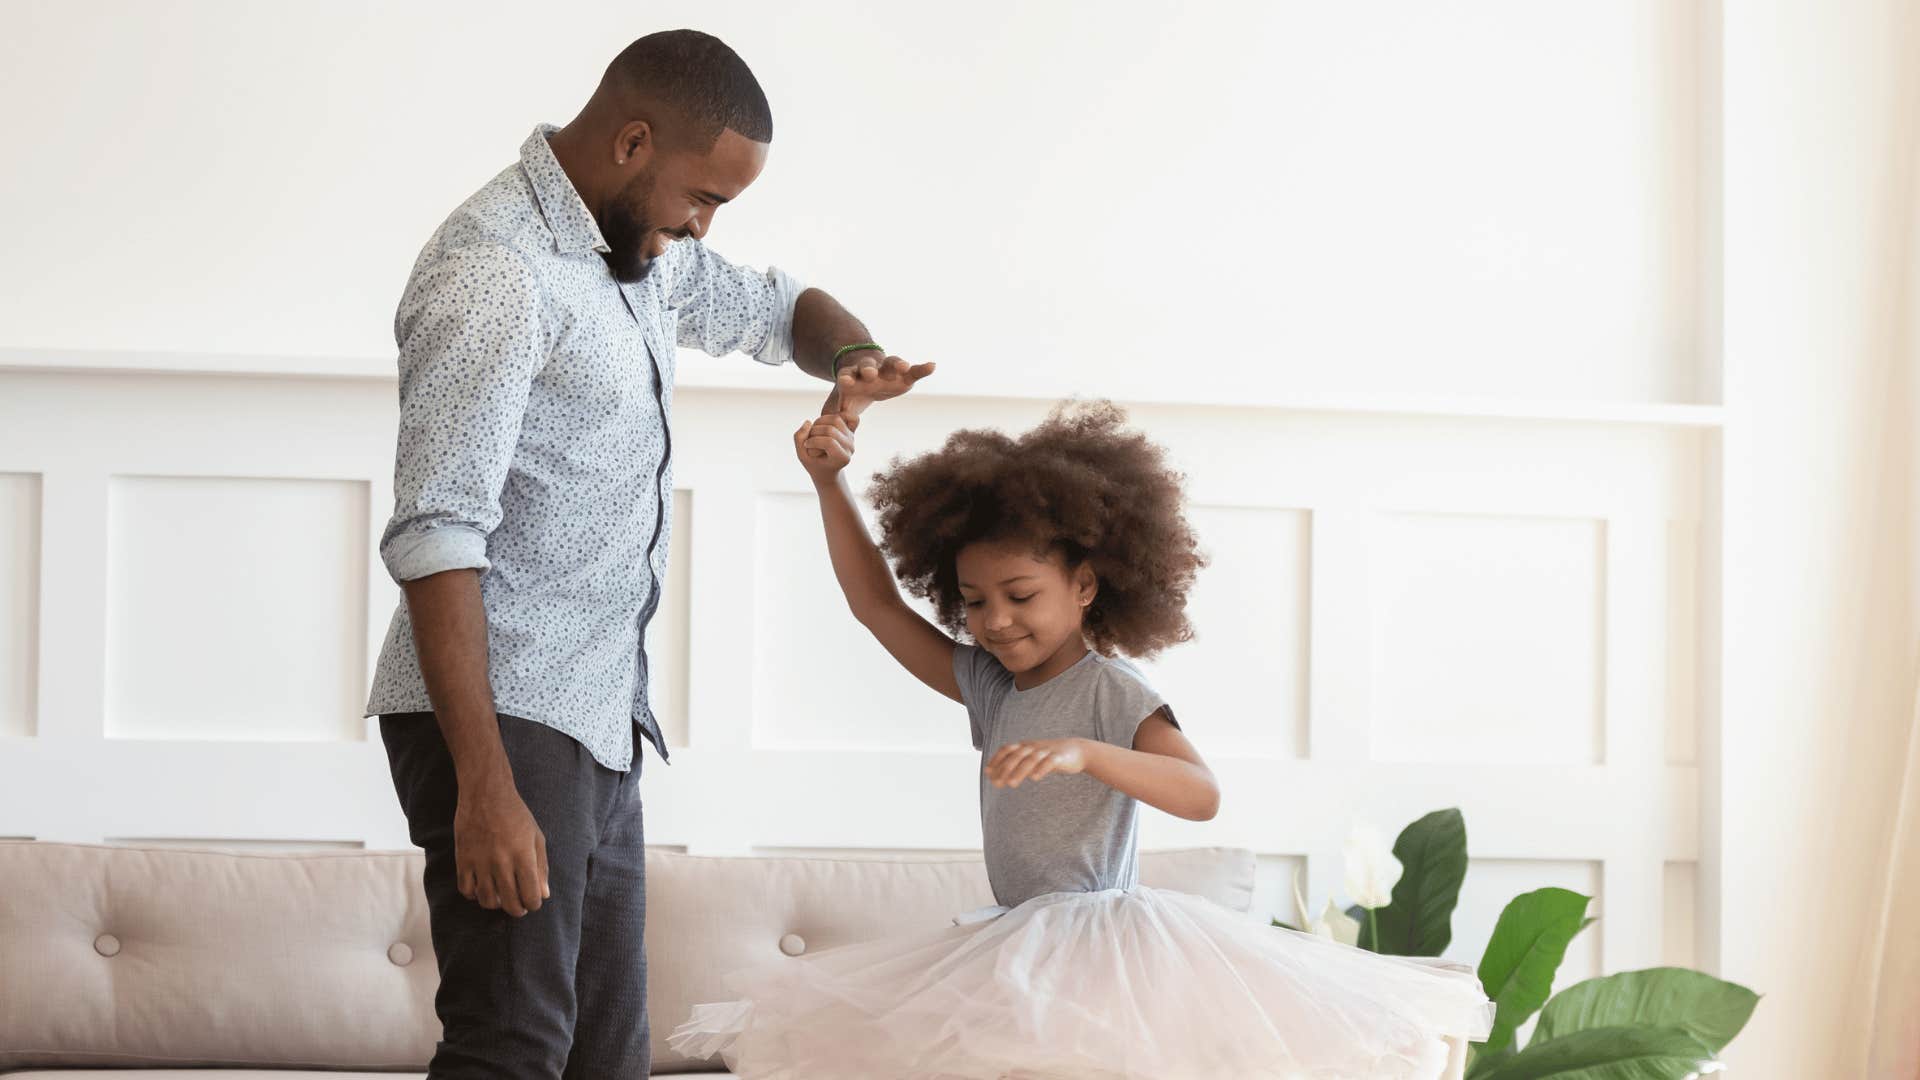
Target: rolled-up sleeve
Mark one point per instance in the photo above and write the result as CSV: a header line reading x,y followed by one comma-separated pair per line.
x,y
724,308
471,341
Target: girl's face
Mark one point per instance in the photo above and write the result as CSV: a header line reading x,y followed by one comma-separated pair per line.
x,y
1023,607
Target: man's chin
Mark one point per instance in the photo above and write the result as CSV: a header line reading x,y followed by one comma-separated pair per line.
x,y
631,272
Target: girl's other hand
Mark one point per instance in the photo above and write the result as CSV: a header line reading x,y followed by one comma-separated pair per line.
x,y
1017,762
824,445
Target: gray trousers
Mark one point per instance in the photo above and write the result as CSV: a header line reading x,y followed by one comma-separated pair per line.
x,y
562,991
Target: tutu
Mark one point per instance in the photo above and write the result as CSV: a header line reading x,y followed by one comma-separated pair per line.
x,y
1114,984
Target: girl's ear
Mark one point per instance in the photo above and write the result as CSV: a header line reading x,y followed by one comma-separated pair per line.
x,y
1086,583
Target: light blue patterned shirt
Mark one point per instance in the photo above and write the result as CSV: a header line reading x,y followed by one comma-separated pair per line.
x,y
536,394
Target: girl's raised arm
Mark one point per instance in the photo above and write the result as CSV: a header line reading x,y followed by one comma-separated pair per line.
x,y
825,447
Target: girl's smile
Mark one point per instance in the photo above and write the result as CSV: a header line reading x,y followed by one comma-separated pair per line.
x,y
1025,607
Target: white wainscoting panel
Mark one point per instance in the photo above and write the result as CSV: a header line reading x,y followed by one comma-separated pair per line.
x,y
1247,671
822,680
1488,638
19,601
1680,645
1680,895
1404,612
667,633
236,608
1273,883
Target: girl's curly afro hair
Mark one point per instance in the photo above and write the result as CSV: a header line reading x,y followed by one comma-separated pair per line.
x,y
1081,482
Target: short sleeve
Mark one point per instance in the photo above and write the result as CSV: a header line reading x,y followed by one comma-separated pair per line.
x,y
983,687
1124,700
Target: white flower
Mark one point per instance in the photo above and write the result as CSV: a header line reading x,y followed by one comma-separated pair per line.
x,y
1372,870
1337,925
1333,924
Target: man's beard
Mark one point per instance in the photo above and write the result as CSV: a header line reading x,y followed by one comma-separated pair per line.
x,y
627,231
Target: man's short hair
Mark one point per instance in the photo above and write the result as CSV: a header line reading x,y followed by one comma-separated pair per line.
x,y
703,82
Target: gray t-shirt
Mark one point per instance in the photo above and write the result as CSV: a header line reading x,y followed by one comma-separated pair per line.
x,y
1064,833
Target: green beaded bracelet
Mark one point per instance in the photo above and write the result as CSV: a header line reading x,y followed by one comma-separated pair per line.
x,y
845,349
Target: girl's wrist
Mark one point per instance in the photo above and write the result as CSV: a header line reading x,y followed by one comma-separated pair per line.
x,y
1092,753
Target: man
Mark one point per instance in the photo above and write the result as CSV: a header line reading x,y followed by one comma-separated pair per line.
x,y
532,489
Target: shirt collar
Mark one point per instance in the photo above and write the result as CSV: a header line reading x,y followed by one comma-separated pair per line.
x,y
574,229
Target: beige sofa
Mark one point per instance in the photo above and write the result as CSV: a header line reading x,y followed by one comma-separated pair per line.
x,y
119,958
114,959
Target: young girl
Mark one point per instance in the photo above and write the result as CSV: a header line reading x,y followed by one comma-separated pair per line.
x,y
1055,552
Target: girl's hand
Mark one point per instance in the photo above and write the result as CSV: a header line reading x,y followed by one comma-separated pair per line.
x,y
1021,761
825,446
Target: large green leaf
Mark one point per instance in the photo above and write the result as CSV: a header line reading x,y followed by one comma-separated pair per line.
x,y
1481,1061
1711,1010
1419,921
1527,946
1606,1053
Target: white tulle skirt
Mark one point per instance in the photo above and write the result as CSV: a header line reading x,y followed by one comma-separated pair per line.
x,y
1122,983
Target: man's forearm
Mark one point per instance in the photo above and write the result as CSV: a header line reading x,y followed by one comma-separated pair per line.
x,y
450,638
820,327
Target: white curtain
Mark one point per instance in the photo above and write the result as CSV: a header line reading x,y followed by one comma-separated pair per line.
x,y
1893,1051
1894,960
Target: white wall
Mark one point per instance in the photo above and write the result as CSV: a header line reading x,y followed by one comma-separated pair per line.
x,y
1263,197
1448,276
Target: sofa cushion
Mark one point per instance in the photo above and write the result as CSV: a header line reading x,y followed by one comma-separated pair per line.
x,y
127,956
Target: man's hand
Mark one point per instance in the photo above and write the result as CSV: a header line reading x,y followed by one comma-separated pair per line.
x,y
825,445
866,377
499,852
1018,762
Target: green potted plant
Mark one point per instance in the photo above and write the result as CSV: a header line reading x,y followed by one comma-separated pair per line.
x,y
1635,1025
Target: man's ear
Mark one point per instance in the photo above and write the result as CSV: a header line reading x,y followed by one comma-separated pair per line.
x,y
634,144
